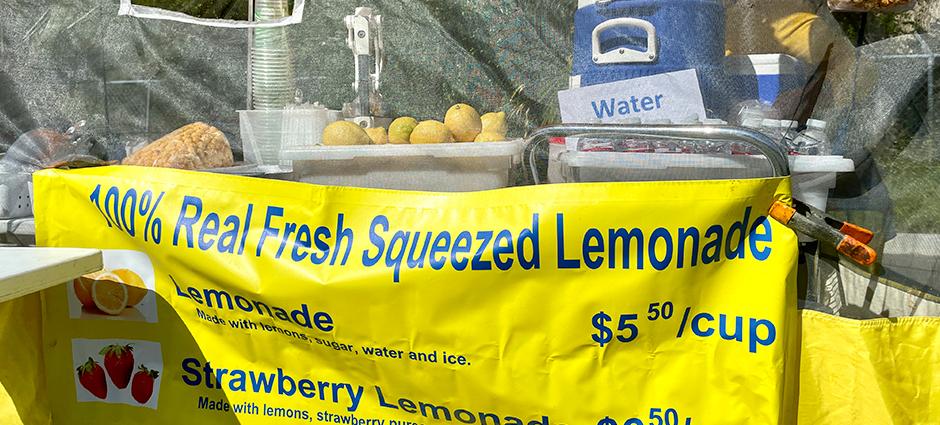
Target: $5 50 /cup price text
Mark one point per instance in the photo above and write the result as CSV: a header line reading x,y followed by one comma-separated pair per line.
x,y
756,333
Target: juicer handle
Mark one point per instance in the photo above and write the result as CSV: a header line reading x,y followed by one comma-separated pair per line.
x,y
623,54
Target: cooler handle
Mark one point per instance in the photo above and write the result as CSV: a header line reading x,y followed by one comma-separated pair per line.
x,y
623,54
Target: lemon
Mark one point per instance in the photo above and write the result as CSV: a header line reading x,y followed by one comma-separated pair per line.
x,y
136,289
431,131
110,296
463,122
399,132
490,137
345,133
82,287
494,122
377,135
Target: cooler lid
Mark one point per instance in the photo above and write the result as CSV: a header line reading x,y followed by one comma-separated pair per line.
x,y
765,64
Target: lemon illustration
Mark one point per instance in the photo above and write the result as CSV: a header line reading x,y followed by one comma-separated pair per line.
x,y
490,137
463,122
82,287
378,135
495,123
427,132
345,133
136,289
109,295
399,132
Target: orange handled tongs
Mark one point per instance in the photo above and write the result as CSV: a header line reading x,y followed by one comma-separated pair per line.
x,y
849,239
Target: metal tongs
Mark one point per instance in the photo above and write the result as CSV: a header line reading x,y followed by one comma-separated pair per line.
x,y
364,38
849,239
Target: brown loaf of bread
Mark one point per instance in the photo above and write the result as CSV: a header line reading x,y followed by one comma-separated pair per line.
x,y
196,146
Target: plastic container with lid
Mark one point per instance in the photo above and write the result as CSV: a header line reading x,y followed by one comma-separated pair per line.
x,y
266,133
446,167
579,167
812,176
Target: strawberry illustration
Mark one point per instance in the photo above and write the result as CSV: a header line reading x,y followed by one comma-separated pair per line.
x,y
119,362
142,385
91,376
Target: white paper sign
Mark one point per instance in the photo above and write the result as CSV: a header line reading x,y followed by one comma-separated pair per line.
x,y
675,96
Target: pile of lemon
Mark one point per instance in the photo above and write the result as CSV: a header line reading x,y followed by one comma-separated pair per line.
x,y
462,123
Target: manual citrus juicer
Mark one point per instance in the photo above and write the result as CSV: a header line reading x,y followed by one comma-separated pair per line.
x,y
364,38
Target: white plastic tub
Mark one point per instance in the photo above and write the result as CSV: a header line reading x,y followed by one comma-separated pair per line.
x,y
447,167
812,176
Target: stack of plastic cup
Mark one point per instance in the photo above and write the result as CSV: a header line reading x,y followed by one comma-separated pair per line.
x,y
272,78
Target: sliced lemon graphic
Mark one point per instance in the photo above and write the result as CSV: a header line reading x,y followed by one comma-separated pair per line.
x,y
109,294
82,287
136,289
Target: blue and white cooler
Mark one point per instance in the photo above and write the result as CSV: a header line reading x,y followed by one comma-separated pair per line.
x,y
617,40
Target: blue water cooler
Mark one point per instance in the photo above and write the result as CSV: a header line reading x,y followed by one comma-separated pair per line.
x,y
618,40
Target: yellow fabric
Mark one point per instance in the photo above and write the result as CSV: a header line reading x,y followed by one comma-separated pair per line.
x,y
23,395
788,27
800,35
884,371
526,334
518,344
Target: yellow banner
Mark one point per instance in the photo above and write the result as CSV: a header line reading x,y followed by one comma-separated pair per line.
x,y
880,371
236,300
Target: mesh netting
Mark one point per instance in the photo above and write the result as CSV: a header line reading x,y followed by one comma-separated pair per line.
x,y
132,80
